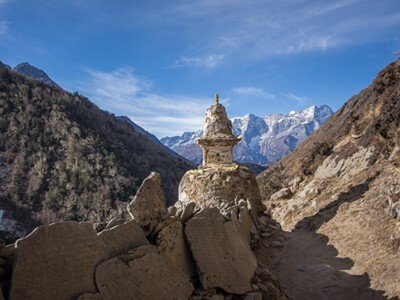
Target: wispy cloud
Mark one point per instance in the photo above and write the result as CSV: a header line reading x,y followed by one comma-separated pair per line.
x,y
3,26
124,93
208,61
253,91
294,97
263,29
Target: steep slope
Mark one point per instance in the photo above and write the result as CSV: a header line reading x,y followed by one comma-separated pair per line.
x,y
264,140
342,185
150,136
62,158
33,72
4,66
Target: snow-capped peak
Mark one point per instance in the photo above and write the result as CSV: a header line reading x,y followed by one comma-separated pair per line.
x,y
264,139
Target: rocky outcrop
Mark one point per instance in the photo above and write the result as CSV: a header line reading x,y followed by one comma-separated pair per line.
x,y
192,253
284,193
148,206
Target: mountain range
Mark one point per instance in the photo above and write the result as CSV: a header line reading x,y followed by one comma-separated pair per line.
x,y
264,140
30,71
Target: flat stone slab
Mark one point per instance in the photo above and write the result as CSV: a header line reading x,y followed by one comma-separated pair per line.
x,y
123,237
57,262
222,253
146,277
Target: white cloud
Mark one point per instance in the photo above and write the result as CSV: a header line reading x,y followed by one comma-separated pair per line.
x,y
124,93
255,30
3,26
253,91
294,97
209,61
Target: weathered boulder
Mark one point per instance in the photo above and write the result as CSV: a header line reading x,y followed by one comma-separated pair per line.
x,y
284,193
212,186
148,206
122,238
57,262
222,254
146,277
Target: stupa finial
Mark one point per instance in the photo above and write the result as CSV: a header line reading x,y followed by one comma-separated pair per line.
x,y
216,99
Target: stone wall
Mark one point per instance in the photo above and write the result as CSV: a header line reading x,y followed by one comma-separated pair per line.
x,y
188,253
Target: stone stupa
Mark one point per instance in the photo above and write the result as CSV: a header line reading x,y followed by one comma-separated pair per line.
x,y
219,179
217,141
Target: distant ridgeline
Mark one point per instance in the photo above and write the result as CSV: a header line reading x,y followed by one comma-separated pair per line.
x,y
30,71
62,158
264,140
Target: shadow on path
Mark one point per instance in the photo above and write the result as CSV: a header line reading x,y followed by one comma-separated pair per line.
x,y
308,268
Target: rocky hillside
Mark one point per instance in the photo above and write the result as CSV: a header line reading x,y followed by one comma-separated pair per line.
x,y
4,66
264,140
342,185
33,72
62,158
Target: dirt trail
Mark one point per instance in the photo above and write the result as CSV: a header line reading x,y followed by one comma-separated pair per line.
x,y
309,269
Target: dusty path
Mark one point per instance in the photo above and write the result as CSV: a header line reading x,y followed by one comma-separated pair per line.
x,y
309,269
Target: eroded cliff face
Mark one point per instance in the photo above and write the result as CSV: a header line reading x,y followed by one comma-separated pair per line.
x,y
342,184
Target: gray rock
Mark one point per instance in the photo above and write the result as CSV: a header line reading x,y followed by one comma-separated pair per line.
x,y
148,206
147,277
284,193
57,262
222,254
188,211
394,201
122,238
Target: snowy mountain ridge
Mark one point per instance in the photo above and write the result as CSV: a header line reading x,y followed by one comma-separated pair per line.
x,y
264,140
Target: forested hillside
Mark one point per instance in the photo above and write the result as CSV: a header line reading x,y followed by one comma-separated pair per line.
x,y
62,158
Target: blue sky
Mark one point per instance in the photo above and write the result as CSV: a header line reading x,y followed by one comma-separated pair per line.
x,y
160,62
